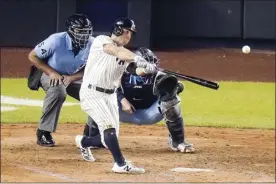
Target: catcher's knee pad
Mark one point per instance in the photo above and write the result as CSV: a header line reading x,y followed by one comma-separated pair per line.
x,y
171,113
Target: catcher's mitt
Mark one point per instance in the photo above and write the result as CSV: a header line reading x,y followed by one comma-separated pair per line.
x,y
166,87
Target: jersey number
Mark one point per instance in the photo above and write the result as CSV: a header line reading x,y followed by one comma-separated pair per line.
x,y
42,43
43,51
120,62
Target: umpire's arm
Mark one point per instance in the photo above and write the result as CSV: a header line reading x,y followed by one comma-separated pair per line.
x,y
40,64
41,52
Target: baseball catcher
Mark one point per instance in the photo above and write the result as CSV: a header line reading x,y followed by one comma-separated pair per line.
x,y
146,100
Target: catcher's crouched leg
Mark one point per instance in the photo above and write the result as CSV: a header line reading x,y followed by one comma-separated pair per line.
x,y
175,125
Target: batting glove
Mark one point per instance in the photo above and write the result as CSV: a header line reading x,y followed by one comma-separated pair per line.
x,y
142,63
150,68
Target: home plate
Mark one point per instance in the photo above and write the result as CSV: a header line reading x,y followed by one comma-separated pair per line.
x,y
184,169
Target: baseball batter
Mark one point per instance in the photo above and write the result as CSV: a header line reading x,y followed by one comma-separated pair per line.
x,y
141,104
107,61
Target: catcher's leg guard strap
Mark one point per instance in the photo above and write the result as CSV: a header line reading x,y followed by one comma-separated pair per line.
x,y
176,130
174,122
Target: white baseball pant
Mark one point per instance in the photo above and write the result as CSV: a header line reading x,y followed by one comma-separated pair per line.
x,y
102,108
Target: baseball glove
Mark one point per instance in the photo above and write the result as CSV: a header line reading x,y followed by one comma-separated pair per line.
x,y
166,87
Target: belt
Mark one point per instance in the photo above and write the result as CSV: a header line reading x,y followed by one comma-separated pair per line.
x,y
103,90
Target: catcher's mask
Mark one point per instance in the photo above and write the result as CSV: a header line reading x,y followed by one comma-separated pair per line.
x,y
123,23
80,29
148,55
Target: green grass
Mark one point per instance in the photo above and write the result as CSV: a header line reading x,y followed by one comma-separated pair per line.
x,y
235,104
18,88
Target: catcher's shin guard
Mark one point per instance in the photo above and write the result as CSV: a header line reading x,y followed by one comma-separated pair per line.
x,y
176,130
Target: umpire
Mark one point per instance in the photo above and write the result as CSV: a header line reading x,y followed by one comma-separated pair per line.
x,y
59,62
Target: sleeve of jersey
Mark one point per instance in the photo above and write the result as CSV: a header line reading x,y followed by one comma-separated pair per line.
x,y
46,48
100,41
120,94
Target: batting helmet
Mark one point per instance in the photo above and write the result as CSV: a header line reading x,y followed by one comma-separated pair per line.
x,y
148,55
123,23
80,29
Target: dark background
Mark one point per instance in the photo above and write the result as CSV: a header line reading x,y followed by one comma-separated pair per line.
x,y
160,23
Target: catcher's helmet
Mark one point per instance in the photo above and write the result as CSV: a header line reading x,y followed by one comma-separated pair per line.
x,y
148,55
123,23
80,29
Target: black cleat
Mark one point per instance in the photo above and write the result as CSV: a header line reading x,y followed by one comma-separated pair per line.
x,y
45,138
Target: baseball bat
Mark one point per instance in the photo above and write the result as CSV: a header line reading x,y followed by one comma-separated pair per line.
x,y
196,80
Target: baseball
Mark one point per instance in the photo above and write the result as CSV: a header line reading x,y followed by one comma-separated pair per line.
x,y
246,49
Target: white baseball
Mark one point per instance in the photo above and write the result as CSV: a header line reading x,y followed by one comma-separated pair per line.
x,y
246,49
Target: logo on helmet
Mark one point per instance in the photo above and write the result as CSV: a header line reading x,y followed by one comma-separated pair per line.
x,y
133,27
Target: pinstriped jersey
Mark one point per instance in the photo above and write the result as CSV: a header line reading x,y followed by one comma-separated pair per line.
x,y
102,69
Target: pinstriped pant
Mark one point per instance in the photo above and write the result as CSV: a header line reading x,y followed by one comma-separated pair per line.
x,y
102,108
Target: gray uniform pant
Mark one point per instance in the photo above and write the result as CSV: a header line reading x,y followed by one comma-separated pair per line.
x,y
55,97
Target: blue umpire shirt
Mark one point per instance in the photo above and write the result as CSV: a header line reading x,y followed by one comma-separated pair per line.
x,y
57,51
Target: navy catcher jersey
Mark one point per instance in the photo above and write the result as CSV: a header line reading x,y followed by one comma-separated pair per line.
x,y
138,90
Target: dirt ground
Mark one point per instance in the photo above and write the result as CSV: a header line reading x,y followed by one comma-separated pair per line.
x,y
231,155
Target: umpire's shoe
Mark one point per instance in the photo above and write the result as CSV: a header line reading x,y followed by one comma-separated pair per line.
x,y
45,138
